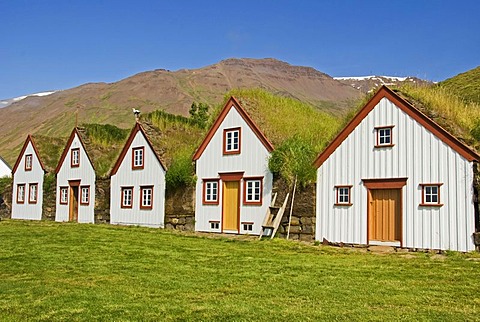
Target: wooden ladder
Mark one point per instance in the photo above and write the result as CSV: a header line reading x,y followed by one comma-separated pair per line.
x,y
273,218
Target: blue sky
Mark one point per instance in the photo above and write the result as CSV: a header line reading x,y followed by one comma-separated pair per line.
x,y
46,45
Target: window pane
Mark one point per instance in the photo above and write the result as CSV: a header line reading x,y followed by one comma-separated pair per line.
x,y
253,191
232,140
431,194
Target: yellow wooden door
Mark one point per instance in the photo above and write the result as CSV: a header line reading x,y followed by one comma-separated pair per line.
x,y
231,205
385,215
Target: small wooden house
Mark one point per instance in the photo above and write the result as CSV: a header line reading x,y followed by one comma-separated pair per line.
x,y
75,182
28,176
234,184
5,170
137,191
395,177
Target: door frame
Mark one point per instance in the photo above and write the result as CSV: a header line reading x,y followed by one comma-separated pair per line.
x,y
71,205
380,184
231,176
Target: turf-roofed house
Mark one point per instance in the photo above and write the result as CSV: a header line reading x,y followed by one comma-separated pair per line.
x,y
75,182
28,176
137,191
234,184
395,177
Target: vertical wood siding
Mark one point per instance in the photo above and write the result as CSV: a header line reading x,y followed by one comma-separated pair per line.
x,y
5,171
253,161
418,155
86,174
36,175
152,174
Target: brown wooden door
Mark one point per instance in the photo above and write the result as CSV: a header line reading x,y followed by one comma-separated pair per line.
x,y
73,210
385,215
231,195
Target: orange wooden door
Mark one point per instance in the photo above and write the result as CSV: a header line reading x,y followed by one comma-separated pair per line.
x,y
231,193
385,215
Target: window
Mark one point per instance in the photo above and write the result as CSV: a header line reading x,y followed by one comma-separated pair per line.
x,y
247,226
210,192
344,197
127,194
32,192
28,162
431,194
384,136
137,158
75,157
231,141
252,191
146,197
21,193
63,195
214,225
85,195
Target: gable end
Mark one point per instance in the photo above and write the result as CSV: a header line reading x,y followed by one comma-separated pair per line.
x,y
417,115
232,102
22,152
137,128
67,149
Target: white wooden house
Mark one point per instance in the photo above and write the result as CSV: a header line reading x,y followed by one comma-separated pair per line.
x,y
395,177
28,175
137,191
234,184
5,170
75,182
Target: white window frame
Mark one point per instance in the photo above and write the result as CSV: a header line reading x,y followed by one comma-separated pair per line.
x,y
138,156
381,134
253,190
28,162
21,193
343,195
85,195
146,197
127,197
247,226
75,157
215,225
63,195
210,191
32,193
429,195
232,141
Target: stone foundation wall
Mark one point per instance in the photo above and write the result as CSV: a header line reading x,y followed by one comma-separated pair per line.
x,y
180,208
302,226
49,197
6,205
102,201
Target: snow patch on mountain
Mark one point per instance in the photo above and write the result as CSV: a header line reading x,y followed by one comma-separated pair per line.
x,y
373,77
6,102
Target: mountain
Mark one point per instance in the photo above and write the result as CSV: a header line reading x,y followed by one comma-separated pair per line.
x,y
9,101
174,92
367,84
465,85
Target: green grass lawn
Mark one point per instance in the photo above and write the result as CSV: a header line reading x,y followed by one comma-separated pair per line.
x,y
61,271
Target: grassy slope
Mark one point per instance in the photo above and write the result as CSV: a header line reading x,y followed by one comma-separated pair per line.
x,y
444,106
465,85
281,118
60,271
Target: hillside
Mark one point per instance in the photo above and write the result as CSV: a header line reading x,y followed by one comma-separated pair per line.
x,y
465,85
173,92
